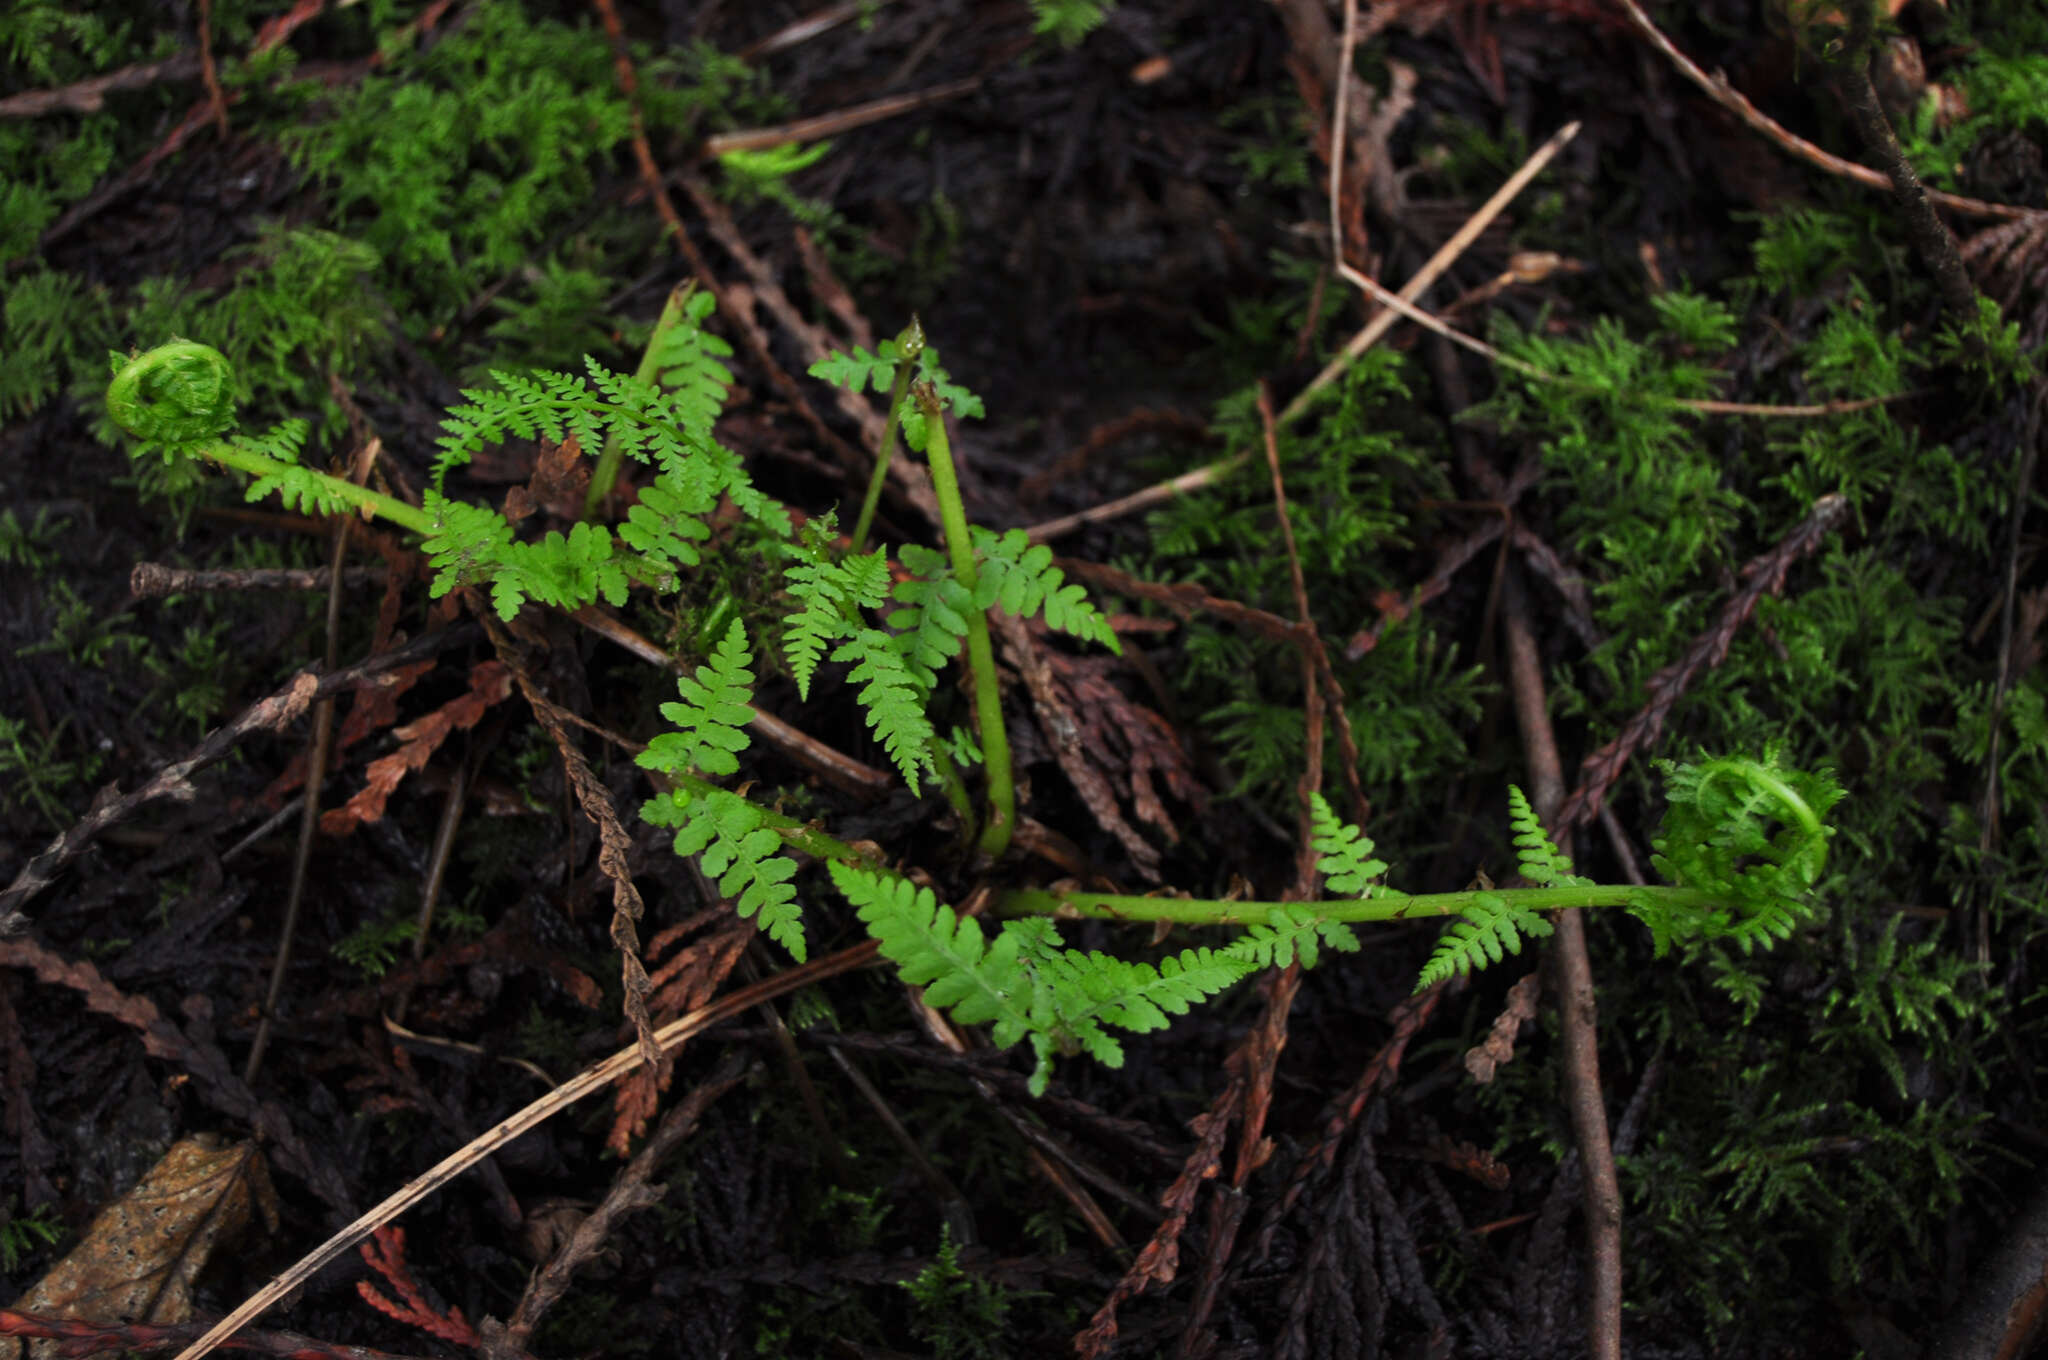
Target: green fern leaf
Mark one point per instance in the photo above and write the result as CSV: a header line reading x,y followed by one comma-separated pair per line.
x,y
934,948
1493,928
1288,931
1751,833
934,627
1018,574
1141,998
1540,860
666,523
858,371
893,701
1345,852
740,854
711,719
829,594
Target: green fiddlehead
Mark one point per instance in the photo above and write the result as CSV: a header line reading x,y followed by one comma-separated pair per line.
x,y
175,394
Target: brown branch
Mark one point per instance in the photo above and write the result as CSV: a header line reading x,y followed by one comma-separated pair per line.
x,y
91,1338
1578,1003
90,96
1764,575
838,121
1930,237
1728,97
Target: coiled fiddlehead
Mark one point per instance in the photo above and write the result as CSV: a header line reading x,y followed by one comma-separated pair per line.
x,y
177,393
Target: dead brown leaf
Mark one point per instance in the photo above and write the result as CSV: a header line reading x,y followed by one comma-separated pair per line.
x,y
489,683
141,1255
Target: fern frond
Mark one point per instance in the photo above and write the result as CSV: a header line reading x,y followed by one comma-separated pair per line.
x,y
740,854
934,627
1023,980
711,719
299,488
540,405
1138,997
468,543
1540,860
1751,833
829,594
687,364
946,954
1019,575
893,700
1291,930
666,523
1345,853
1494,927
858,371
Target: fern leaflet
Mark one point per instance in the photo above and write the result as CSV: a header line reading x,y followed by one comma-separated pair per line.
x,y
738,851
934,627
829,594
1539,860
712,717
893,700
1493,927
1345,853
1019,575
1023,980
1288,931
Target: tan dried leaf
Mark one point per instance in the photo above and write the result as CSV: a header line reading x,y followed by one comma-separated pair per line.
x,y
141,1255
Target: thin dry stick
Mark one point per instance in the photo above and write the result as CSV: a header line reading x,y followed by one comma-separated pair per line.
x,y
174,780
1316,674
667,1039
1337,129
630,1191
842,120
1434,267
1358,344
155,580
309,808
1728,97
815,24
90,96
1577,1001
1380,294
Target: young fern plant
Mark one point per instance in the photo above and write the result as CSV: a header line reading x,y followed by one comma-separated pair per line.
x,y
1743,841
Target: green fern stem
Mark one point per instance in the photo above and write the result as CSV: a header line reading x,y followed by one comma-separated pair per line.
x,y
981,659
606,475
911,344
1383,906
388,508
954,788
179,396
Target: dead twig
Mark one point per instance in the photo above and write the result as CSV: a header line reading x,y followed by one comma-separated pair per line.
x,y
667,1039
630,1191
155,580
834,123
174,780
87,1338
90,96
1717,88
1577,1001
1763,575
